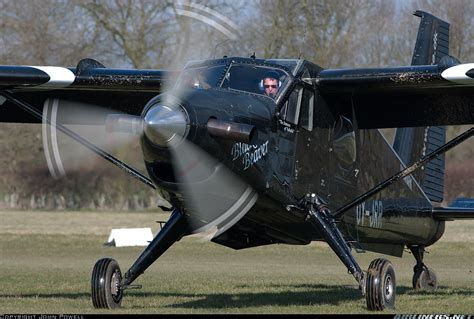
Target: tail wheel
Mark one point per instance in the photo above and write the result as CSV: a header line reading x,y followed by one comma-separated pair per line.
x,y
105,284
380,285
425,279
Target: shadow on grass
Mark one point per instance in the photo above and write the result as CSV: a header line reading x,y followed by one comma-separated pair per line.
x,y
63,295
441,291
292,295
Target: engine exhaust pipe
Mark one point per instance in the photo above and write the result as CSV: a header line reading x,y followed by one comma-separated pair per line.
x,y
237,132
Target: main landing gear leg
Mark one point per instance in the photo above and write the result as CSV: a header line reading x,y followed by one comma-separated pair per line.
x,y
423,277
107,284
378,286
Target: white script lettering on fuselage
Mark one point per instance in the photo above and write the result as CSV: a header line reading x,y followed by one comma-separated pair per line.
x,y
250,154
287,127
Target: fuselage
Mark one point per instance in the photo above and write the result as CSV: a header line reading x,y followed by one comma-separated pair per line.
x,y
299,147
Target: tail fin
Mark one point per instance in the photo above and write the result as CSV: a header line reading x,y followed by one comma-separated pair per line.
x,y
411,143
432,42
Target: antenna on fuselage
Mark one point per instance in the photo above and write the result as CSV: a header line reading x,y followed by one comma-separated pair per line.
x,y
217,45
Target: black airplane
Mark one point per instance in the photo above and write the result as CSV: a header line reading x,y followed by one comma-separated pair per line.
x,y
255,151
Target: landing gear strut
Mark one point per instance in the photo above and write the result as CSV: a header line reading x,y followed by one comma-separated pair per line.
x,y
379,285
107,284
424,279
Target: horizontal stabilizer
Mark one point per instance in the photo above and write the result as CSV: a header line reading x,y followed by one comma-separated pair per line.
x,y
461,208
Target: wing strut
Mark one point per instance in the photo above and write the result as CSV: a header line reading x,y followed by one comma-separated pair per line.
x,y
112,159
407,171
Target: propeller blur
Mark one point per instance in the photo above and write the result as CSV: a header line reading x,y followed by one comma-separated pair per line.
x,y
252,152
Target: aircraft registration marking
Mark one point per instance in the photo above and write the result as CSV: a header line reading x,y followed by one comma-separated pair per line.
x,y
372,212
250,154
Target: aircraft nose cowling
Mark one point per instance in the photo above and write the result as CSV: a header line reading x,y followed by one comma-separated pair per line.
x,y
166,125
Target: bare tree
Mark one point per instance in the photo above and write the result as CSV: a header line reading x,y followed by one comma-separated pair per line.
x,y
138,29
459,14
46,32
158,34
329,33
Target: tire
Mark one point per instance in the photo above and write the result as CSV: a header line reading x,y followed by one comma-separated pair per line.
x,y
105,284
425,280
380,285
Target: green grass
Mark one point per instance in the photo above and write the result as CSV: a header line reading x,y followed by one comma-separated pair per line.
x,y
46,259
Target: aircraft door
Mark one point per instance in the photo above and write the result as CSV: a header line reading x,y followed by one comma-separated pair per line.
x,y
287,121
302,143
307,169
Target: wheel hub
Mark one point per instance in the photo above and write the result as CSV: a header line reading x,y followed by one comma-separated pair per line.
x,y
388,287
115,288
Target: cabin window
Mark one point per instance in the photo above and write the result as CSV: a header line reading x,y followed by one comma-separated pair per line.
x,y
344,140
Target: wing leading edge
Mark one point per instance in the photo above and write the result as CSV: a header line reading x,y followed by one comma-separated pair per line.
x,y
90,82
52,77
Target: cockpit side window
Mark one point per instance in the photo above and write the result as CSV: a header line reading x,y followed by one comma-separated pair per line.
x,y
299,108
291,110
307,109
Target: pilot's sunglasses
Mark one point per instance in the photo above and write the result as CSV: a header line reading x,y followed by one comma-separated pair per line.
x,y
273,86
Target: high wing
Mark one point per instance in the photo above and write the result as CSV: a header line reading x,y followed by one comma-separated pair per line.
x,y
90,82
425,95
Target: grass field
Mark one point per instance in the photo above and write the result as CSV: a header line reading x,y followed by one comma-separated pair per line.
x,y
46,259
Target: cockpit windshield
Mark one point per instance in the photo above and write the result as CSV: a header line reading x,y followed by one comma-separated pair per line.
x,y
201,77
264,77
264,80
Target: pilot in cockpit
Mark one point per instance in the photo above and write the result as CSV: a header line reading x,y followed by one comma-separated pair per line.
x,y
270,84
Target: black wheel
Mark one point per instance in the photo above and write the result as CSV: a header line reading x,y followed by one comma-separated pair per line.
x,y
425,279
380,285
105,284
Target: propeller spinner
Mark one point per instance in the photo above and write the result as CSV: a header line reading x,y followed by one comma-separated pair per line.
x,y
214,198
